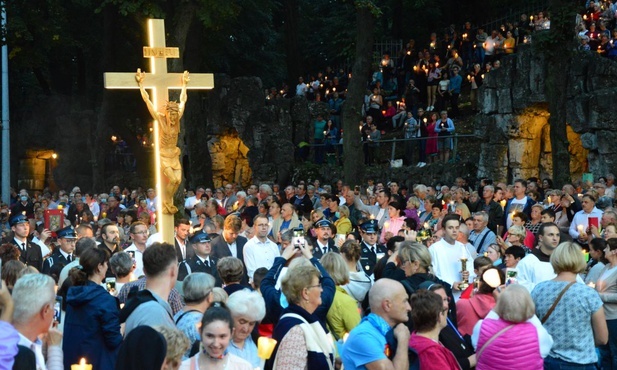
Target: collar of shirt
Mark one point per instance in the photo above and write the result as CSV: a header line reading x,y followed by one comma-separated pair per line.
x,y
322,246
36,347
20,243
63,253
203,260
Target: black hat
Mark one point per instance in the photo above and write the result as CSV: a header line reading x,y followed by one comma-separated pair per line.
x,y
200,237
68,233
370,227
324,222
17,219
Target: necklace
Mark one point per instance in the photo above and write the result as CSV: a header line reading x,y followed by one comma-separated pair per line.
x,y
222,360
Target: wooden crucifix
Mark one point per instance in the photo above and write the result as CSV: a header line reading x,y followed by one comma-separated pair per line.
x,y
166,116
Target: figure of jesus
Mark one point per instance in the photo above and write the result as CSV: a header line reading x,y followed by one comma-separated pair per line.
x,y
168,120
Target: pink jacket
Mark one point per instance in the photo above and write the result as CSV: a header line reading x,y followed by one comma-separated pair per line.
x,y
470,311
394,225
517,348
432,355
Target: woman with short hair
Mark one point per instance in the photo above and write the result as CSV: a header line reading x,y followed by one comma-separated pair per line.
x,y
343,315
231,271
429,318
359,282
511,327
122,266
247,310
302,342
197,291
577,321
343,224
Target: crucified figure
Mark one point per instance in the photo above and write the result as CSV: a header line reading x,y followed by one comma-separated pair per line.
x,y
168,120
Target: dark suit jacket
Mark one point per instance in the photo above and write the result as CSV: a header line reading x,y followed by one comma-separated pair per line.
x,y
317,252
190,252
220,249
32,256
368,260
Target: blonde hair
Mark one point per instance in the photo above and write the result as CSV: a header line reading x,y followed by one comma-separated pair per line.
x,y
515,304
567,257
413,251
336,267
518,231
295,281
177,344
343,210
415,201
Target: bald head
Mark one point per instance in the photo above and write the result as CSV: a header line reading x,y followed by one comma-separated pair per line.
x,y
383,290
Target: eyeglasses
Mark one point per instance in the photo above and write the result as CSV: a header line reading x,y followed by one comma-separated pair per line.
x,y
145,232
314,286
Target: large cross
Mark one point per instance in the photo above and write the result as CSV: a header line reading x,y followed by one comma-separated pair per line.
x,y
159,81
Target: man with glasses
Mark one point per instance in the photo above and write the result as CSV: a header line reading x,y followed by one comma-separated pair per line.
x,y
62,256
139,235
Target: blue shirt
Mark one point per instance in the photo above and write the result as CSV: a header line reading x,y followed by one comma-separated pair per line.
x,y
364,345
248,352
455,84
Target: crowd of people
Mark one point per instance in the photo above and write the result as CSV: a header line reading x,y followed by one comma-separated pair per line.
x,y
596,28
314,276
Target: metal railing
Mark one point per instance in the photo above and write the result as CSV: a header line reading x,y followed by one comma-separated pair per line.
x,y
454,138
513,15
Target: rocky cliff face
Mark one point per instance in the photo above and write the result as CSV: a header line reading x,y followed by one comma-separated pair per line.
x,y
513,121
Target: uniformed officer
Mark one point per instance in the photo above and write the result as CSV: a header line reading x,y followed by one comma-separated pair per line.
x,y
369,231
324,243
201,261
62,256
31,253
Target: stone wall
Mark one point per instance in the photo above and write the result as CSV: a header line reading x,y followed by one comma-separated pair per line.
x,y
513,120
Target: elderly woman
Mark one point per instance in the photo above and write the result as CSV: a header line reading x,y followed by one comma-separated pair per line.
x,y
343,314
197,290
415,260
231,271
122,266
394,223
359,282
514,237
470,311
606,285
343,224
515,329
429,318
572,313
302,342
247,309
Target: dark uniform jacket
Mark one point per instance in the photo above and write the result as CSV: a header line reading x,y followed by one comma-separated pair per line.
x,y
368,259
318,253
54,264
194,264
32,256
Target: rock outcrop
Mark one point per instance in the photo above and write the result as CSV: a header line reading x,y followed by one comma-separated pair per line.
x,y
513,121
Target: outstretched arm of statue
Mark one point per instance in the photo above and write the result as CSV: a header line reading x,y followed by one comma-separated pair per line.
x,y
183,97
139,77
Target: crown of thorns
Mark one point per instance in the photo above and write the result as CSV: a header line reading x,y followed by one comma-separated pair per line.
x,y
172,106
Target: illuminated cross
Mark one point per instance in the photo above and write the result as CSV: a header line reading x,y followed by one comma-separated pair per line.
x,y
159,81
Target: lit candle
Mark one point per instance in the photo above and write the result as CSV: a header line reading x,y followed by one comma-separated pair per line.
x,y
334,89
386,224
265,347
580,229
372,217
426,225
549,199
531,18
82,365
502,203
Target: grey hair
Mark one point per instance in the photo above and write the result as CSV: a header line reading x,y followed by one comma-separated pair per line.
x,y
483,214
241,194
197,286
247,303
489,187
265,188
30,293
463,229
287,235
121,264
420,188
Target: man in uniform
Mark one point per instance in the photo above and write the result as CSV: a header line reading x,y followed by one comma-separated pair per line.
x,y
30,253
324,242
201,261
63,255
369,231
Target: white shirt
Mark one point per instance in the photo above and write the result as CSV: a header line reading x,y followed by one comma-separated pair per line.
x,y
259,254
137,260
54,354
446,260
582,218
532,271
182,247
190,204
233,248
